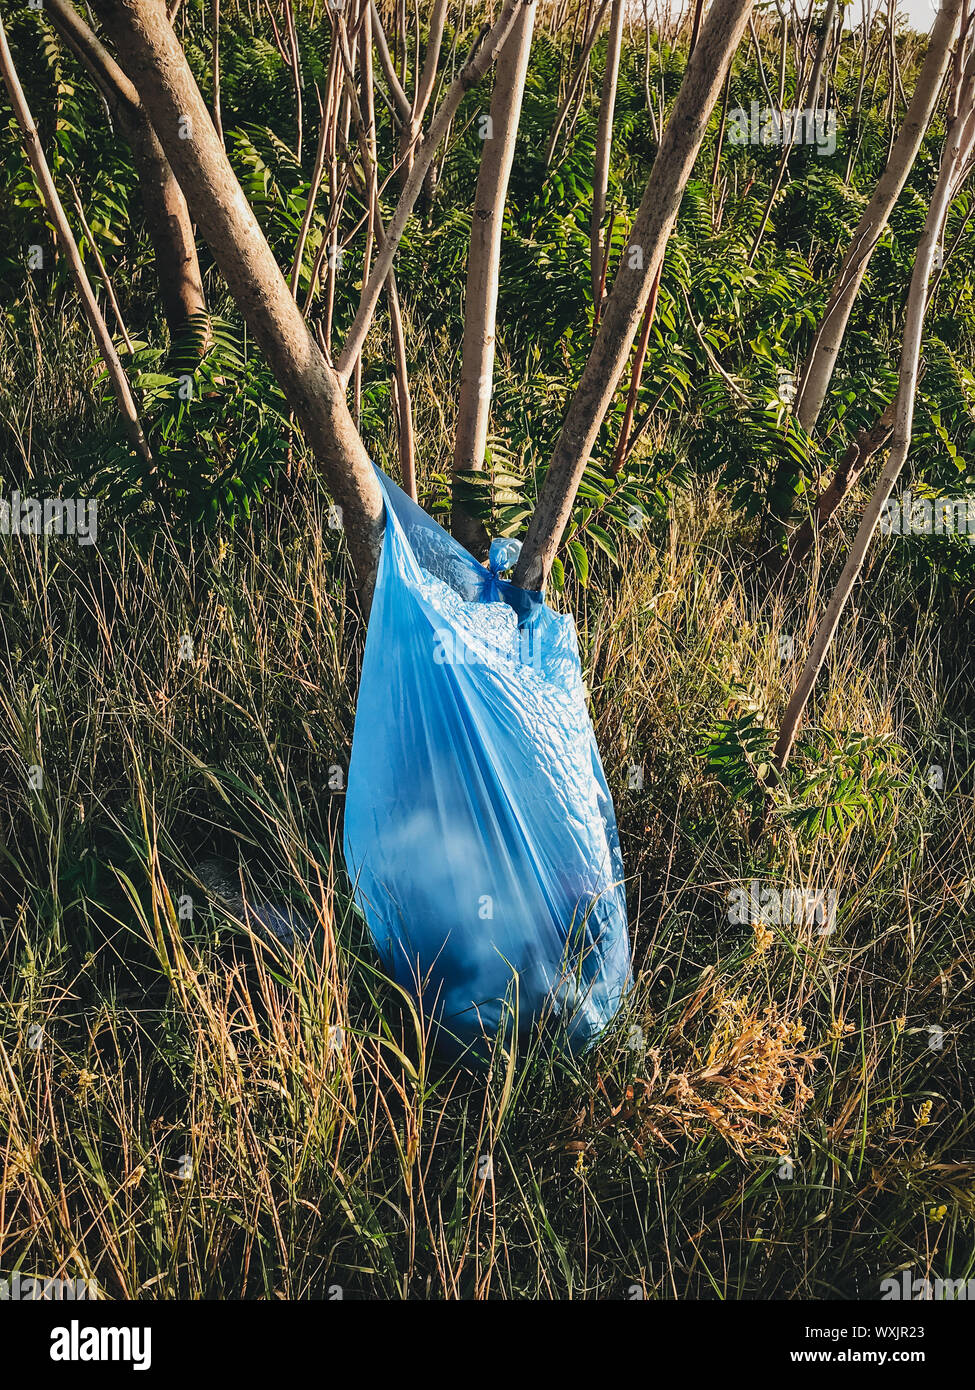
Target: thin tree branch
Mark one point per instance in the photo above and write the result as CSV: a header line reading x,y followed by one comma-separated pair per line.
x,y
55,210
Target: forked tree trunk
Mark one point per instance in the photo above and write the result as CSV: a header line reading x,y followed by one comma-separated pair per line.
x,y
604,145
699,90
832,328
483,268
955,158
154,61
167,217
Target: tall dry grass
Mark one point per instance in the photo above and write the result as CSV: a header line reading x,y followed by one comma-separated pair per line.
x,y
189,1108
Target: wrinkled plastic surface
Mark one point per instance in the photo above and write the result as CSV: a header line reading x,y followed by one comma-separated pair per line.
x,y
480,833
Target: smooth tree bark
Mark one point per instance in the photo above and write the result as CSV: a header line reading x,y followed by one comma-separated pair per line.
x,y
828,340
151,56
955,165
699,91
598,250
168,222
483,268
69,248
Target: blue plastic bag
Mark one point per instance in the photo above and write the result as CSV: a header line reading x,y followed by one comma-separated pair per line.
x,y
480,833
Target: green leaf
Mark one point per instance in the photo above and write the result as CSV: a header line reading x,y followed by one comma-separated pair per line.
x,y
580,561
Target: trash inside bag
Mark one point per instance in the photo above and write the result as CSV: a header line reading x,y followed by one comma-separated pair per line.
x,y
480,833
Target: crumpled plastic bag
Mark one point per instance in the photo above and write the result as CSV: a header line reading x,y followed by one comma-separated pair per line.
x,y
480,834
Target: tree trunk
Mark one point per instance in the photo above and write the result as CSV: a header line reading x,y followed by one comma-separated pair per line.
x,y
167,217
168,224
154,61
483,266
699,90
604,145
829,336
957,152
